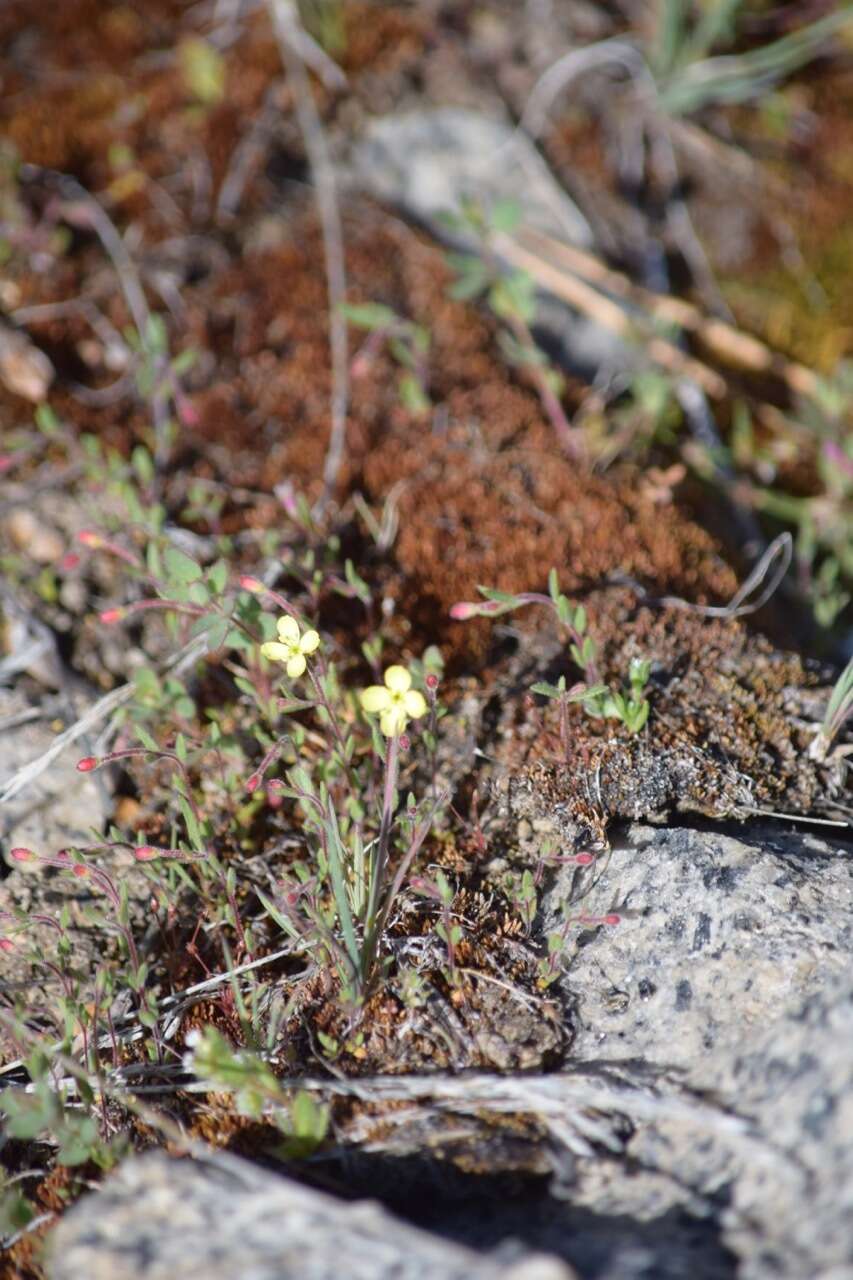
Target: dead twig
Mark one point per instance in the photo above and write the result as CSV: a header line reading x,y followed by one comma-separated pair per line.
x,y
97,712
587,299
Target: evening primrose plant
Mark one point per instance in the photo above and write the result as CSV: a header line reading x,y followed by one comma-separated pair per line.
x,y
325,752
337,905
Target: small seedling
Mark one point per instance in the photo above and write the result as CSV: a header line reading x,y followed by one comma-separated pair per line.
x,y
839,709
511,297
408,343
628,705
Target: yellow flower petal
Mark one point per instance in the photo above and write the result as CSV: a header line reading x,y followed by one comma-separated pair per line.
x,y
398,680
296,665
275,652
393,721
288,629
376,698
309,642
414,704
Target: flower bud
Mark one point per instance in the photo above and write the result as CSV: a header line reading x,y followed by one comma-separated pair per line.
x,y
111,615
87,764
22,855
146,853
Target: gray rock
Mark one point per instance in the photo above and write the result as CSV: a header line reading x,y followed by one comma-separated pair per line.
x,y
429,161
725,990
222,1219
719,937
62,806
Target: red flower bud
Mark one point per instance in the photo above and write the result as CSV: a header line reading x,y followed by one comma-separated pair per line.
x,y
80,870
6,944
251,584
68,562
146,853
431,682
87,764
22,855
613,918
188,414
584,859
111,615
89,538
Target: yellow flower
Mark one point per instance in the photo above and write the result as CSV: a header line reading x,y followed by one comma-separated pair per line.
x,y
291,647
395,700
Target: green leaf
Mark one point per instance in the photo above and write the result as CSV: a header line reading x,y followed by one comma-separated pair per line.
x,y
147,684
514,297
180,567
194,831
472,276
412,395
142,464
153,560
546,690
217,577
145,737
184,361
78,1141
202,69
368,315
505,215
217,632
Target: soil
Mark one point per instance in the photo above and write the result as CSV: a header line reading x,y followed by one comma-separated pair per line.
x,y
480,491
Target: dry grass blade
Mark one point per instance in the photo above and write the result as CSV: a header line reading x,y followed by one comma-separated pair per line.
x,y
586,299
723,340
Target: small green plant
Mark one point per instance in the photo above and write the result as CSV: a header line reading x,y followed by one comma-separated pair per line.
x,y
439,890
216,1063
408,343
688,79
629,705
511,296
45,1112
838,711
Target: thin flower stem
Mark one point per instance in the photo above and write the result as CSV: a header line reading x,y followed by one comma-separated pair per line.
x,y
380,866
